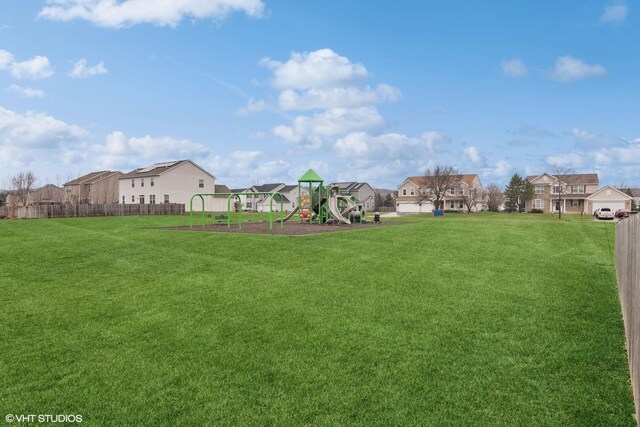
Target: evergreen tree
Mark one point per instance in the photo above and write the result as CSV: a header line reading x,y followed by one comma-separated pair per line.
x,y
513,193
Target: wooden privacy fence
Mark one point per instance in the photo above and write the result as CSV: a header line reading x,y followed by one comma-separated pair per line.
x,y
74,211
628,272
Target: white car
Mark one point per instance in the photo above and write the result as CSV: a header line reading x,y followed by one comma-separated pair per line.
x,y
604,213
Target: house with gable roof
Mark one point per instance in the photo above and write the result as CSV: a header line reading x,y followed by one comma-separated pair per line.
x,y
94,187
262,202
361,191
569,195
414,195
169,182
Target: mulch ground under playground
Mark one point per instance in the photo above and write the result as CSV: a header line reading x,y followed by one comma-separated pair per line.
x,y
290,228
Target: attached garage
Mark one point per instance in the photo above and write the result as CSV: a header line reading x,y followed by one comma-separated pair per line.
x,y
607,197
414,207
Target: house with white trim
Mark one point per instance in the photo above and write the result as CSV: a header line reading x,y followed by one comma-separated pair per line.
x,y
262,202
569,195
170,182
362,191
608,197
415,196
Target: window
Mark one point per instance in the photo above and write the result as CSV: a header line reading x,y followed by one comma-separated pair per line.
x,y
538,189
575,203
538,204
413,192
404,191
133,183
141,199
557,189
452,191
579,189
141,182
461,191
123,202
460,204
201,183
166,198
452,204
133,199
152,199
151,182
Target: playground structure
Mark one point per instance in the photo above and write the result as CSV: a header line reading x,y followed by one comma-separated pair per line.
x,y
323,205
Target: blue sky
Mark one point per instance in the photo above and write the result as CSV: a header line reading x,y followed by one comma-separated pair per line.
x,y
258,91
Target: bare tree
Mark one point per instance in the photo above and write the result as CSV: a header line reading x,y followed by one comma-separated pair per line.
x,y
562,184
494,197
471,197
437,182
21,185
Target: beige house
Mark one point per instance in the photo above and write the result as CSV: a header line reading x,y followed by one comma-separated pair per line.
x,y
170,182
568,195
362,191
262,203
46,195
608,197
93,188
414,195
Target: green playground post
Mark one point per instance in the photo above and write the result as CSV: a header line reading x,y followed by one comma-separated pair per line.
x,y
191,210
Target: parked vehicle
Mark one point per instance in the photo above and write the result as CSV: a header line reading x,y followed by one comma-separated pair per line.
x,y
622,213
604,213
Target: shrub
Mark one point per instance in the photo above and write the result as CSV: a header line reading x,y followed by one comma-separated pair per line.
x,y
536,211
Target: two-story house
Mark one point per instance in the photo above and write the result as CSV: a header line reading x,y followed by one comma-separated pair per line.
x,y
415,196
94,187
169,182
569,195
262,202
362,191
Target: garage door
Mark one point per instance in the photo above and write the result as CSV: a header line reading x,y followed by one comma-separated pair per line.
x,y
614,206
408,208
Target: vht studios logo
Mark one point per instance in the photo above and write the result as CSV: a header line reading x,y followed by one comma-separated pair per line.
x,y
43,418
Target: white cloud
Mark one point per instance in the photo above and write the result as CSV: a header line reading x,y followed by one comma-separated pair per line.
x,y
248,167
589,138
252,106
472,154
615,13
80,70
567,69
119,151
6,58
317,69
117,14
37,67
389,146
35,130
336,121
514,68
500,169
27,92
35,138
323,98
574,160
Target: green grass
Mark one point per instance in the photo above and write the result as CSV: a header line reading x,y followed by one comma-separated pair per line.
x,y
467,320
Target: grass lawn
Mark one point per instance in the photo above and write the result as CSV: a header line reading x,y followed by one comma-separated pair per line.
x,y
468,320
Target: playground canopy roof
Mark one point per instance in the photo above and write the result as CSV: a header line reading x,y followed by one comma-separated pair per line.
x,y
311,176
